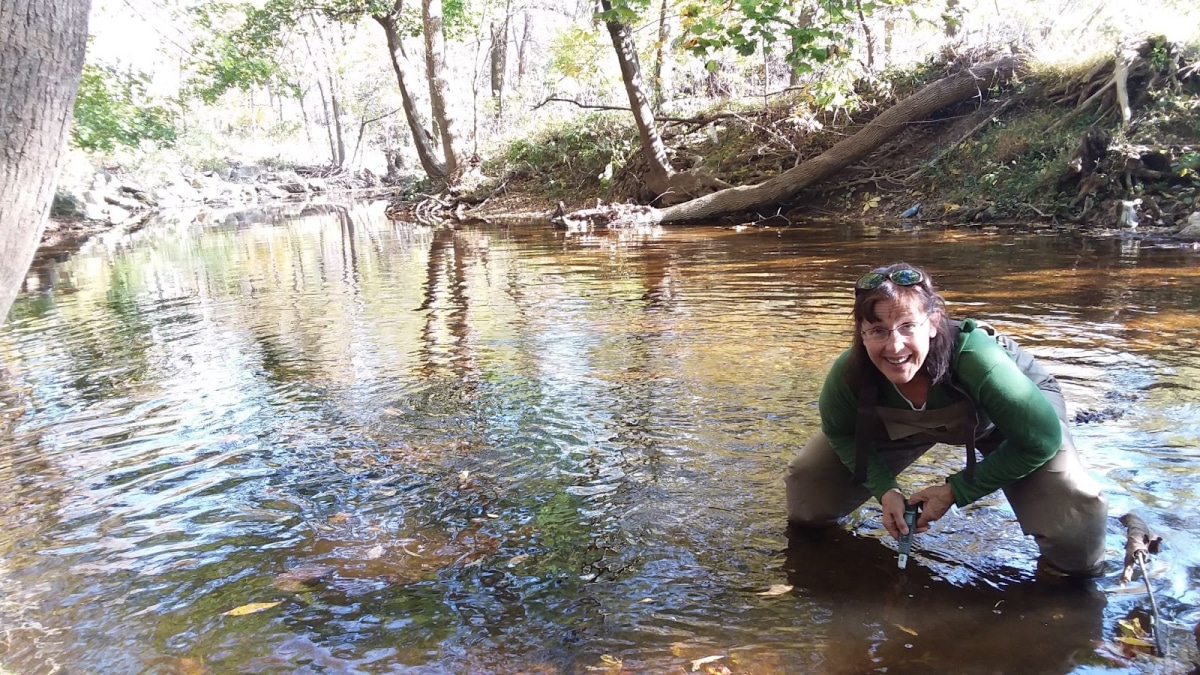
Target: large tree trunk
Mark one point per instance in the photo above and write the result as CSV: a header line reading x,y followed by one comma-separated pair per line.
x,y
434,168
435,62
41,55
659,173
968,83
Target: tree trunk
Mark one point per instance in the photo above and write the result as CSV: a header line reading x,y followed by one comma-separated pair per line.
x,y
661,71
41,56
434,168
968,83
339,146
523,47
325,111
659,173
499,59
435,62
866,28
326,114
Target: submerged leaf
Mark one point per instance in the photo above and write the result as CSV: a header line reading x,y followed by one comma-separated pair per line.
x,y
906,629
777,589
251,608
708,659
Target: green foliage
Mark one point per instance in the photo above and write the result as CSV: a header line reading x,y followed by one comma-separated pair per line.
x,y
242,42
1014,164
112,108
238,48
573,52
580,157
624,11
812,35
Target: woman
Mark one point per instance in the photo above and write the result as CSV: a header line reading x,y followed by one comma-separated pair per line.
x,y
913,378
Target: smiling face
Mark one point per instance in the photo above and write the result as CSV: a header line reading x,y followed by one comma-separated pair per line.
x,y
897,356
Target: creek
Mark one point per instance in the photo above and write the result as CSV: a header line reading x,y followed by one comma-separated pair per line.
x,y
510,449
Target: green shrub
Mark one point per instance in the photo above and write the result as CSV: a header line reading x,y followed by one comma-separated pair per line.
x,y
113,108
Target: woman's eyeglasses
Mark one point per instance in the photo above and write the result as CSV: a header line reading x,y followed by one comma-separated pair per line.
x,y
879,334
904,277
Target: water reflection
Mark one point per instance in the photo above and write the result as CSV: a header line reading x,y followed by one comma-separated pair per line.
x,y
914,621
510,449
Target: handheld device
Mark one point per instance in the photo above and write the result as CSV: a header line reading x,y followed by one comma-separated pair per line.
x,y
910,518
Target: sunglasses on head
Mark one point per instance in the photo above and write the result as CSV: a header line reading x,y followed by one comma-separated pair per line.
x,y
904,277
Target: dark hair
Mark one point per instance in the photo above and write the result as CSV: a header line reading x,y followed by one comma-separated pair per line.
x,y
937,361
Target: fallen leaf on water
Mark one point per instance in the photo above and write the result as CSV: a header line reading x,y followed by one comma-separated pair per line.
x,y
412,553
777,589
906,629
1130,628
518,559
251,608
708,659
1135,641
375,552
338,518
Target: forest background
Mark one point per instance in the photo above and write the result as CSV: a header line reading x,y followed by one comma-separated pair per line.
x,y
522,104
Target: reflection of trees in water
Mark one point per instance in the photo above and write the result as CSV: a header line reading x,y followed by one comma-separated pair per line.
x,y
445,337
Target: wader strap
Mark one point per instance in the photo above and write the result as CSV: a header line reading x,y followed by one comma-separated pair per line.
x,y
972,427
864,429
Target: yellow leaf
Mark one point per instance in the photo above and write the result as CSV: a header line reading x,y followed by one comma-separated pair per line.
x,y
1136,642
777,589
906,629
251,608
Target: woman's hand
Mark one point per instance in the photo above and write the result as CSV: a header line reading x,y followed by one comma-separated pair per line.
x,y
893,502
935,502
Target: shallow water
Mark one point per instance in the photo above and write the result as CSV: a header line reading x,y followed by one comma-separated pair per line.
x,y
515,450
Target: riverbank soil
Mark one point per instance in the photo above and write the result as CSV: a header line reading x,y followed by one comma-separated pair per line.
x,y
1101,146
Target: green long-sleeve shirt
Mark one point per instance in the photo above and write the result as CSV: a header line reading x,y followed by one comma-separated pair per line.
x,y
1001,392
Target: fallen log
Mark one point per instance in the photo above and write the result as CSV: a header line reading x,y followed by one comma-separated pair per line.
x,y
972,82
